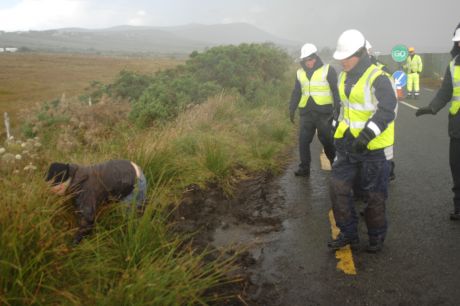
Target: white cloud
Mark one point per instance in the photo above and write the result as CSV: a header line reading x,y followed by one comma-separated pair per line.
x,y
41,14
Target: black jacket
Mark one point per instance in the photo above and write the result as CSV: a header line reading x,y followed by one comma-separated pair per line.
x,y
443,96
311,105
95,185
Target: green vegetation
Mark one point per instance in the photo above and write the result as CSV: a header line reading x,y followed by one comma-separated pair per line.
x,y
214,127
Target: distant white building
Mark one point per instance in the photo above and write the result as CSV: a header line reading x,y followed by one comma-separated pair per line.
x,y
8,49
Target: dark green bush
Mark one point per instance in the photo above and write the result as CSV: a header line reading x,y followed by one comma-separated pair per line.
x,y
130,85
253,71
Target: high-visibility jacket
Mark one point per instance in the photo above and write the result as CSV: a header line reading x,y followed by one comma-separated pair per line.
x,y
455,72
414,64
317,87
360,106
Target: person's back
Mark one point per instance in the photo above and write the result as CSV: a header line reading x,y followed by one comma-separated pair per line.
x,y
89,187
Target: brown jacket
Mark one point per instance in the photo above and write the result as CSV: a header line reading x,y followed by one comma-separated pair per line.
x,y
92,186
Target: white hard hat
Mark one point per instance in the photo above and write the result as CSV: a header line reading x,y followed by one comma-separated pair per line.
x,y
348,43
307,50
457,35
368,45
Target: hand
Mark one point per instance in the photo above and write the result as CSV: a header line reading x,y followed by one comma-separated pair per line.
x,y
424,111
360,143
292,117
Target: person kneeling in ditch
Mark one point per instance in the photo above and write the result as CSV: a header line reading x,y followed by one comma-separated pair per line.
x,y
92,186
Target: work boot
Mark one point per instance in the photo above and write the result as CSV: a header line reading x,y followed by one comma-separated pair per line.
x,y
302,172
342,241
375,245
455,216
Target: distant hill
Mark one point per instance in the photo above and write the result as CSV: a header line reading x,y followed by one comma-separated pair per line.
x,y
131,39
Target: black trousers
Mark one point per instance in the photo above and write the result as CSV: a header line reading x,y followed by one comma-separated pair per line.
x,y
310,123
454,161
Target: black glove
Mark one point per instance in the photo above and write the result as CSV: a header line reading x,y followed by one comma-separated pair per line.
x,y
360,143
292,116
424,111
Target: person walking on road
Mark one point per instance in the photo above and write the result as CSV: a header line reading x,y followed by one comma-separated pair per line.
x,y
314,94
414,67
450,91
92,186
364,138
382,66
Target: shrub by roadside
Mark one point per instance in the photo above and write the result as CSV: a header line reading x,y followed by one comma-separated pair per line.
x,y
135,261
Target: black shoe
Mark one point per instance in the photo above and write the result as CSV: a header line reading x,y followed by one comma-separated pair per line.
x,y
392,177
375,245
342,241
302,172
455,216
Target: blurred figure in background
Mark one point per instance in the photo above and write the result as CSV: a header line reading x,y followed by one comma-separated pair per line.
x,y
414,67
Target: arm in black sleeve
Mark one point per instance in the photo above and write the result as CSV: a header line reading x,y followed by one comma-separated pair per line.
x,y
386,106
333,81
295,97
444,94
86,211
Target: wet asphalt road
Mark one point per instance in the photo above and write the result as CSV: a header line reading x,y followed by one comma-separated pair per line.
x,y
420,263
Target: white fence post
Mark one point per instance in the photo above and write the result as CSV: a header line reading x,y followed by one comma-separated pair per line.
x,y
7,125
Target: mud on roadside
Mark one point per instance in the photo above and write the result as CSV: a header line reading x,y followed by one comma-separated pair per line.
x,y
237,226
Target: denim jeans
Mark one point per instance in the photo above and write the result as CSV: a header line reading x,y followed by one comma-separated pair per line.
x,y
138,195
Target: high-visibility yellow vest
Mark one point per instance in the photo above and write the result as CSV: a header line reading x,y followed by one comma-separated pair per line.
x,y
357,109
414,64
317,87
455,73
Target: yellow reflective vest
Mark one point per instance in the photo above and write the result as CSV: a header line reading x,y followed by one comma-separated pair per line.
x,y
414,64
455,72
359,107
317,87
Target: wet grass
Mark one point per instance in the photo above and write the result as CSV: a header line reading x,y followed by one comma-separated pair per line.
x,y
129,260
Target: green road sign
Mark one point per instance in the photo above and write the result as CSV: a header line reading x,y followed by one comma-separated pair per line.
x,y
399,53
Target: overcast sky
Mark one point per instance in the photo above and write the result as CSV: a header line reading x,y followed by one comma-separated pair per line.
x,y
426,26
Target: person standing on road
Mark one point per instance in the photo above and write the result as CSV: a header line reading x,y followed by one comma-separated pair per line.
x,y
414,67
364,140
385,69
450,91
314,94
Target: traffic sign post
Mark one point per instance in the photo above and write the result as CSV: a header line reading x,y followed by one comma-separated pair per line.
x,y
400,78
400,81
399,53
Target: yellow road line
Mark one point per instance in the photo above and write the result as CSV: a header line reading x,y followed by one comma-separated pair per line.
x,y
344,255
325,164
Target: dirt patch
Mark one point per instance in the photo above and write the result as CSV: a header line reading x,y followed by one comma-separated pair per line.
x,y
237,226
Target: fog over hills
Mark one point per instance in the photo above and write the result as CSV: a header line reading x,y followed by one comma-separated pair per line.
x,y
150,40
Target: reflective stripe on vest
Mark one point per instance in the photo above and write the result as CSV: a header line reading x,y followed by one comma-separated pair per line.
x,y
317,87
414,64
455,73
357,109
